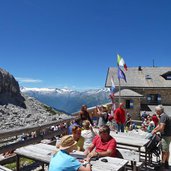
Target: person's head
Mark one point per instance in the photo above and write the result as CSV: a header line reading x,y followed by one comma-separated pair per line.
x,y
159,109
76,132
105,107
86,124
104,132
84,107
67,143
121,105
77,121
128,115
149,117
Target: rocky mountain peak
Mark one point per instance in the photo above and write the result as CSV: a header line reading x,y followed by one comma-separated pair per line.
x,y
9,89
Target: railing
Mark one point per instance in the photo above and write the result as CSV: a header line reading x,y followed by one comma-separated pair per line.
x,y
9,139
92,110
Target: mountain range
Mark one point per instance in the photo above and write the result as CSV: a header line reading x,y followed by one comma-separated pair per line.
x,y
67,100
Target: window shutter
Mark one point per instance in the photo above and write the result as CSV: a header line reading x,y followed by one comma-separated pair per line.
x,y
131,104
159,99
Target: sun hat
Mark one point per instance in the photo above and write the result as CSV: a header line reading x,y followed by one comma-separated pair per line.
x,y
105,106
67,141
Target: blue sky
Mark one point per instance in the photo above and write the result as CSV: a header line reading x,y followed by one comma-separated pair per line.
x,y
71,43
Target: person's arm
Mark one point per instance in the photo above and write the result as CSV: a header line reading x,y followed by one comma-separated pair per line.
x,y
89,149
159,128
92,130
85,168
81,115
99,112
100,154
89,119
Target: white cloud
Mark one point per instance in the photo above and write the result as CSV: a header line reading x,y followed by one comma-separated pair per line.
x,y
28,80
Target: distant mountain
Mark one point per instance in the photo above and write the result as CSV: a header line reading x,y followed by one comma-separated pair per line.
x,y
68,100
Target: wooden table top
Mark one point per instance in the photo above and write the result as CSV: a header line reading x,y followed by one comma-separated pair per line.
x,y
43,152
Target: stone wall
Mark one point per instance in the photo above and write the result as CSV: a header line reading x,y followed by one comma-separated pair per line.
x,y
135,111
164,92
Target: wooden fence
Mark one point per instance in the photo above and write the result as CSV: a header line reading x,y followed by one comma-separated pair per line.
x,y
9,139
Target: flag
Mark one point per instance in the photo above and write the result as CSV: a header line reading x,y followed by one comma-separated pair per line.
x,y
112,88
112,91
121,74
121,62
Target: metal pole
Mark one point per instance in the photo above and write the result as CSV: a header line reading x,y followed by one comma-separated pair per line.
x,y
119,91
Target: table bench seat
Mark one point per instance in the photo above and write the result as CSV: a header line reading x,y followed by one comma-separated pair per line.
x,y
2,168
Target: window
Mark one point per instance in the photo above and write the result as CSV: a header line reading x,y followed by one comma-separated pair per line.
x,y
129,104
154,99
167,75
148,77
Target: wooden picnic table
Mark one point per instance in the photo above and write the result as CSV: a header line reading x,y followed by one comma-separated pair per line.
x,y
129,139
133,141
43,152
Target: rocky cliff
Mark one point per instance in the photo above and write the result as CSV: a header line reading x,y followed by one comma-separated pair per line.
x,y
18,110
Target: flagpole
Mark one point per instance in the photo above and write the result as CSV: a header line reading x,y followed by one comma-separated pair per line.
x,y
119,91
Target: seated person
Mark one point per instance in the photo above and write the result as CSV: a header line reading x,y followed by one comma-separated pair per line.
x,y
87,133
128,122
150,127
144,116
63,161
76,133
104,144
155,119
75,123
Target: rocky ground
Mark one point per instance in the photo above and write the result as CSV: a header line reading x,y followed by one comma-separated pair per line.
x,y
34,113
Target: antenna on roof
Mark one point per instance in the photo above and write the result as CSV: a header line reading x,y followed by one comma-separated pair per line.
x,y
153,63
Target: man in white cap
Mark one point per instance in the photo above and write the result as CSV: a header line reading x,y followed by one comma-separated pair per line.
x,y
164,127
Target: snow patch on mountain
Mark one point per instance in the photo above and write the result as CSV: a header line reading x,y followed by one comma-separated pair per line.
x,y
68,100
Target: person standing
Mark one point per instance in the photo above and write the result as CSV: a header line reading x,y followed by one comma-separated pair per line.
x,y
120,117
84,115
103,115
164,127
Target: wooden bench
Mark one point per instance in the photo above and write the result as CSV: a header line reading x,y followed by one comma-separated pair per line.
x,y
2,168
132,156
